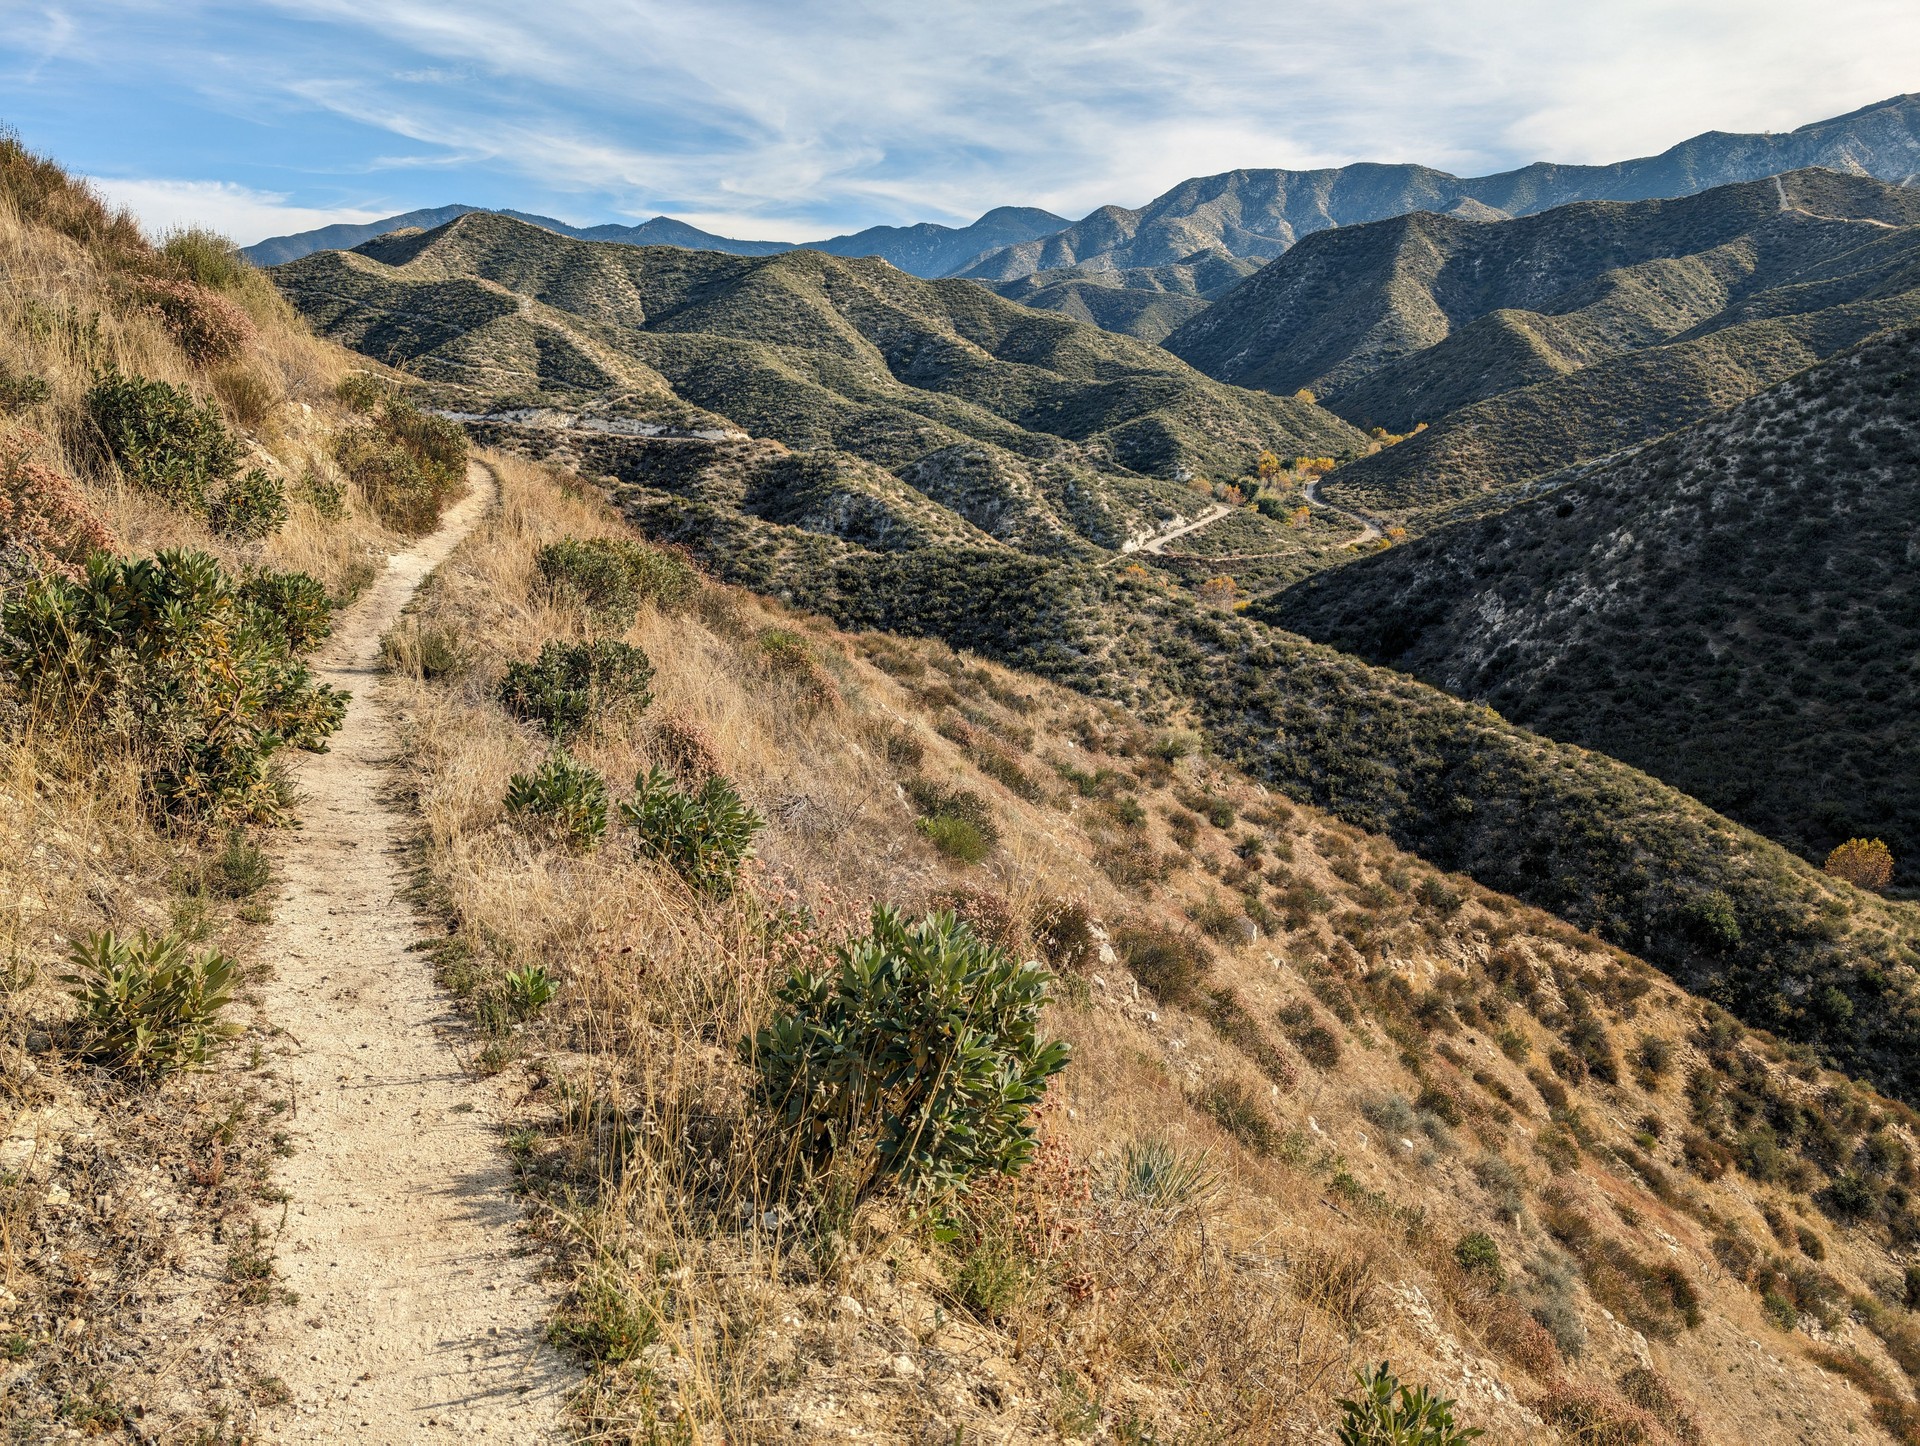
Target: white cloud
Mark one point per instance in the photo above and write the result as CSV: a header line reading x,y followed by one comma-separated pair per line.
x,y
803,119
235,211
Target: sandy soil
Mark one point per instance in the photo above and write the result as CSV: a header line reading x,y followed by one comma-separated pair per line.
x,y
418,1316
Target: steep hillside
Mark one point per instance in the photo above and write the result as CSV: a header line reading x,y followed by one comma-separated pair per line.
x,y
926,249
1258,214
186,502
1733,608
1537,342
973,545
1323,1106
852,363
1147,302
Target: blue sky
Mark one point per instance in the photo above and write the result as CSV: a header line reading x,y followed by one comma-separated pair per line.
x,y
796,120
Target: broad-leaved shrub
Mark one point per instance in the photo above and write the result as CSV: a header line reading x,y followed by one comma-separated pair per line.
x,y
163,440
563,797
146,1003
1385,1413
173,658
611,577
916,1060
407,463
571,683
703,835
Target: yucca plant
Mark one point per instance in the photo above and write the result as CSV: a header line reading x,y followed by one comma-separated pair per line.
x,y
1386,1413
704,835
1157,1174
146,1003
917,1060
566,797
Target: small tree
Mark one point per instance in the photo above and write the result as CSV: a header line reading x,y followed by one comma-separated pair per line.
x,y
916,1061
1866,863
1268,467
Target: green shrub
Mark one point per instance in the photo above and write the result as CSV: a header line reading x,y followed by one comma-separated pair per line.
x,y
170,656
253,505
292,605
1386,1413
1477,1254
612,577
326,496
408,464
241,869
916,1060
570,683
704,835
163,440
20,390
569,799
958,821
146,1004
528,990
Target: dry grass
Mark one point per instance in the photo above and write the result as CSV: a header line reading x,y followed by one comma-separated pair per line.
x,y
122,1313
1059,1306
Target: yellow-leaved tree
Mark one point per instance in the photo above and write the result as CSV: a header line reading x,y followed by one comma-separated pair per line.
x,y
1864,862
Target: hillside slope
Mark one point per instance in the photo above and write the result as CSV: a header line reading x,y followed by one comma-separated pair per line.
x,y
1536,342
1733,608
967,401
1324,1105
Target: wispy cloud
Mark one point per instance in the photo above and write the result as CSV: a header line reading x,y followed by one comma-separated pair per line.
x,y
793,119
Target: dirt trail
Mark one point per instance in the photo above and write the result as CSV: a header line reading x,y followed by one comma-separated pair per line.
x,y
1158,545
1370,529
417,1319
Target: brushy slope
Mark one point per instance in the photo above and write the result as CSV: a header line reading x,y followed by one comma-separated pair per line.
x,y
1325,1105
130,1274
1729,913
1732,608
1534,343
1144,301
844,359
1608,848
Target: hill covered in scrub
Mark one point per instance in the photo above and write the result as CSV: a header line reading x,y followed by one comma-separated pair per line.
x,y
1324,1104
188,499
1728,913
1731,608
894,392
1533,343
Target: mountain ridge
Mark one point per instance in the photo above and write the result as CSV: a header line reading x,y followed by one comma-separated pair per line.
x,y
925,249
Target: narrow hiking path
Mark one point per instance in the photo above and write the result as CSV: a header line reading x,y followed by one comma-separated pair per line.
x,y
1158,545
1370,528
415,1315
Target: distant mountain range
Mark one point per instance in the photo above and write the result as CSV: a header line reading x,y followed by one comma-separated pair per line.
x,y
1536,342
925,249
1112,266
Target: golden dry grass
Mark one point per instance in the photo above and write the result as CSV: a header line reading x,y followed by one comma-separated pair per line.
x,y
1065,1305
